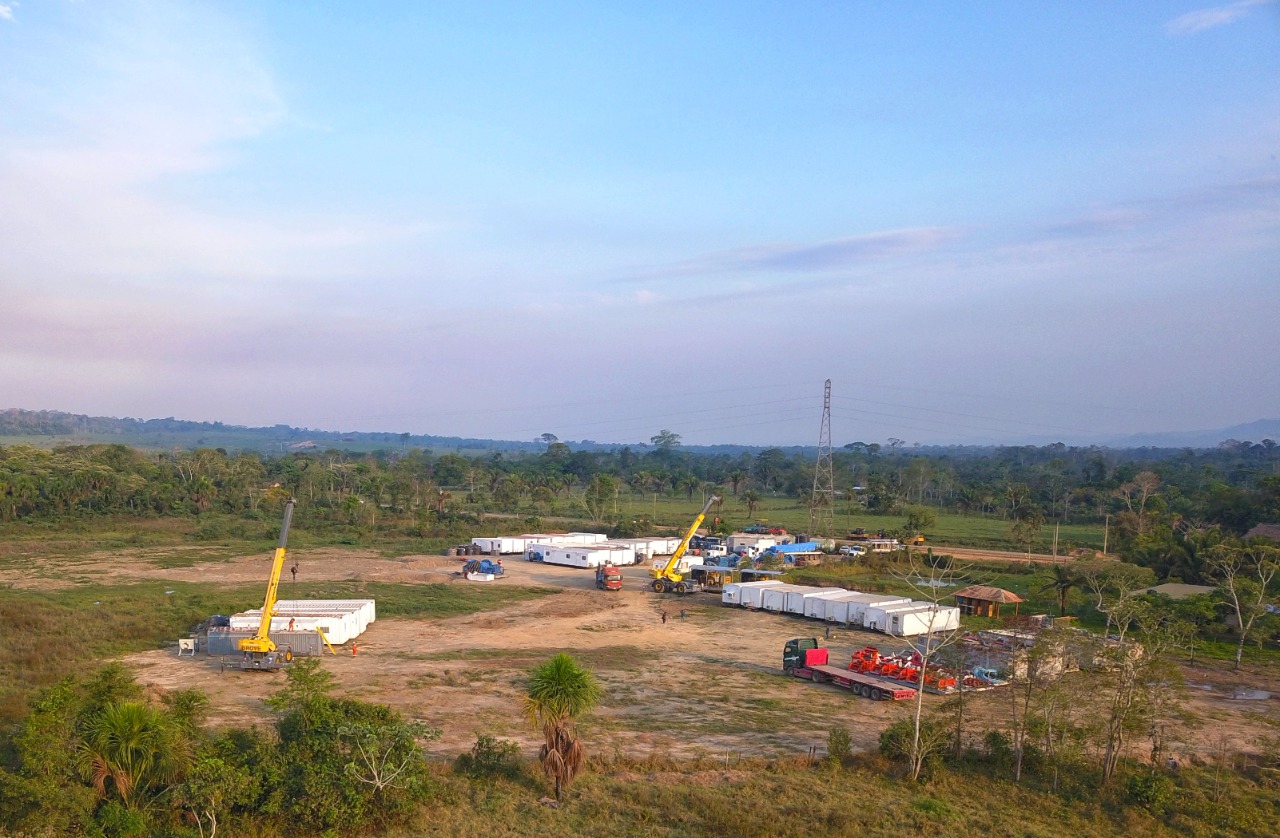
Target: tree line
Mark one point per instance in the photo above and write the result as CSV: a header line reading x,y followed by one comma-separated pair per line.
x,y
1158,503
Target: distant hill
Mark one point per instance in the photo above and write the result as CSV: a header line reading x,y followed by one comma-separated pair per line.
x,y
1251,432
48,428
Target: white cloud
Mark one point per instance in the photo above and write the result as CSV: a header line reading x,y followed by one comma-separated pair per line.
x,y
1202,19
6,11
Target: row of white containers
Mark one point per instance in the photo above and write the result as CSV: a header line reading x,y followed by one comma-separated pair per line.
x,y
621,552
890,614
513,544
341,620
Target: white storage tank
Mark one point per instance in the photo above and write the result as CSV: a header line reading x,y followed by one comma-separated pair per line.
x,y
746,593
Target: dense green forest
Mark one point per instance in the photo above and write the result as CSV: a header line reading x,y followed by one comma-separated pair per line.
x,y
1160,506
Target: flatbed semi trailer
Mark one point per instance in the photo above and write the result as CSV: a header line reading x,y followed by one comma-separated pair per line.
x,y
803,658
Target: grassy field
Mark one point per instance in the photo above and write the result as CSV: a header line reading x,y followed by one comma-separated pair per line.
x,y
47,636
654,796
956,530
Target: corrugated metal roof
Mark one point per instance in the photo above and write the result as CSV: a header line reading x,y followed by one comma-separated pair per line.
x,y
989,594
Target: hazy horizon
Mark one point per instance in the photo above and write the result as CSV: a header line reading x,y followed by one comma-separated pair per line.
x,y
496,221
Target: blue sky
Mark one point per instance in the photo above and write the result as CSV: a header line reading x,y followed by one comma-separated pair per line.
x,y
992,222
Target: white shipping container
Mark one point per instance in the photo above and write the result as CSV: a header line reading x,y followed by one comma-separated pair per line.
x,y
794,601
365,609
332,625
815,604
852,609
775,598
586,555
877,616
746,593
924,620
505,544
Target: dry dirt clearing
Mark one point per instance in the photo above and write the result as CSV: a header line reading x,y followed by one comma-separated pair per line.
x,y
710,683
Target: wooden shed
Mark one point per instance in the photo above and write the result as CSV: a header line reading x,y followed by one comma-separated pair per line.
x,y
985,601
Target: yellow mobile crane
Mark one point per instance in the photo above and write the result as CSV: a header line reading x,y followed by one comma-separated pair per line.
x,y
668,579
259,652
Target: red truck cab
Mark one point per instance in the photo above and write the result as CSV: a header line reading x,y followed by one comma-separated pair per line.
x,y
608,578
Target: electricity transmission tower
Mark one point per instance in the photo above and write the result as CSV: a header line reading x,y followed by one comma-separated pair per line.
x,y
822,518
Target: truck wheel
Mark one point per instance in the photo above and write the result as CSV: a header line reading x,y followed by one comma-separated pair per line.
x,y
682,588
865,692
876,695
658,586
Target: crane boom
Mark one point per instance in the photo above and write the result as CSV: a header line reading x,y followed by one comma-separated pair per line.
x,y
260,645
668,579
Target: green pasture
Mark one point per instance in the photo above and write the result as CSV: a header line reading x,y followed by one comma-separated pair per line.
x,y
48,635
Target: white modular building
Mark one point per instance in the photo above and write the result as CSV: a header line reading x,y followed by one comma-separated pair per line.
x,y
794,601
850,609
589,555
815,605
588,537
340,620
745,593
924,620
877,617
647,548
365,609
775,598
504,544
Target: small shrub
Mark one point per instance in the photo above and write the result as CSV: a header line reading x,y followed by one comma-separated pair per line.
x,y
1149,789
839,744
490,757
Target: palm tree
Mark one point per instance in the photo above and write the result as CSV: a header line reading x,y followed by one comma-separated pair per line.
x,y
1061,579
752,499
560,690
134,749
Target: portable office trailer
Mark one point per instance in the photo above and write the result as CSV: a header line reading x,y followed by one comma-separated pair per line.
x,y
646,548
924,620
851,610
815,605
775,598
746,593
794,603
503,544
585,555
588,537
876,617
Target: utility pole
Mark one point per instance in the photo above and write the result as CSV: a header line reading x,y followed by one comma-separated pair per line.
x,y
1106,531
822,502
